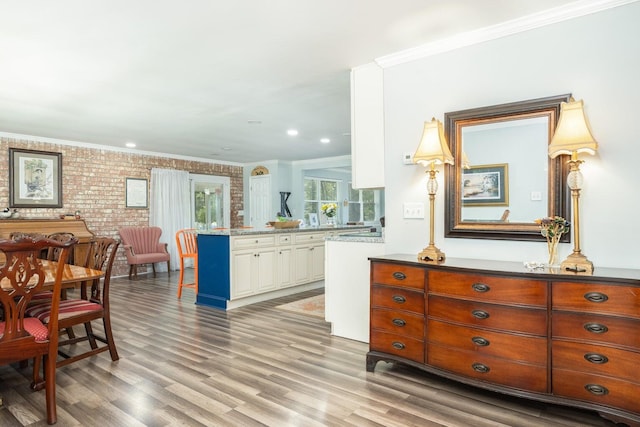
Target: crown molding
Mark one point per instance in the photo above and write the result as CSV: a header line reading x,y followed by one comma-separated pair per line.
x,y
526,23
17,137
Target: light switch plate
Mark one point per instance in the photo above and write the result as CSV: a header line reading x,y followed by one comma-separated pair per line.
x,y
413,210
407,158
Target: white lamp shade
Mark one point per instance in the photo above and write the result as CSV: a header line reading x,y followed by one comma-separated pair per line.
x,y
573,133
433,146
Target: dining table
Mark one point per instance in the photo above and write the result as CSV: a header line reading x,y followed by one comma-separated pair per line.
x,y
72,276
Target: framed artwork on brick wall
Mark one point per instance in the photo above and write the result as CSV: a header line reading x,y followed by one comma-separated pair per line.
x,y
137,193
35,179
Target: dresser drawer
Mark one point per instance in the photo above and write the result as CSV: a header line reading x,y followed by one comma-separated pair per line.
x,y
597,298
489,288
524,320
509,346
398,275
596,329
488,368
591,359
409,348
397,298
597,389
398,322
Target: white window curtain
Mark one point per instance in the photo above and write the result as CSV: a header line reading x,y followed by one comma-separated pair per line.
x,y
170,208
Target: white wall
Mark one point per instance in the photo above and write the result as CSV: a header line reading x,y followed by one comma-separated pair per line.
x,y
597,59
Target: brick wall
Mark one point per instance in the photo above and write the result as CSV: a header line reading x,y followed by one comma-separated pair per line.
x,y
93,182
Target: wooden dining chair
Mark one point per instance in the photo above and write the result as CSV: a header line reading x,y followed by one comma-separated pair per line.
x,y
187,242
21,277
92,305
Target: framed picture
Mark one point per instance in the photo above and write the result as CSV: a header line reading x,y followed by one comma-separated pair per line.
x,y
486,185
313,220
137,193
35,179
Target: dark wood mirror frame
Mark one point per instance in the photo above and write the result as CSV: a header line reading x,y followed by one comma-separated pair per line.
x,y
558,194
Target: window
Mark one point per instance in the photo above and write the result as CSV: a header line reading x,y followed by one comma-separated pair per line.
x,y
317,192
364,205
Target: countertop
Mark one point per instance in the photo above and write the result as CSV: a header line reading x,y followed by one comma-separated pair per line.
x,y
247,231
364,237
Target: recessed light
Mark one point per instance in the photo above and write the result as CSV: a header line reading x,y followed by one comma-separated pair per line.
x,y
292,132
226,148
130,144
325,140
254,122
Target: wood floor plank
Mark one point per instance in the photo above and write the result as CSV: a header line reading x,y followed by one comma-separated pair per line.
x,y
182,364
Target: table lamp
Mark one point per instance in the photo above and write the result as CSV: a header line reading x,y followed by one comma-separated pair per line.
x,y
433,150
572,137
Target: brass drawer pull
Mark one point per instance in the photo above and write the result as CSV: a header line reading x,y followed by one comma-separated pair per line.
x,y
598,390
480,287
480,314
399,299
479,367
596,328
596,297
399,322
483,342
598,359
399,275
398,345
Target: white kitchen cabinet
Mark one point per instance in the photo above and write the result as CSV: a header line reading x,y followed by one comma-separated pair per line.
x,y
284,260
253,272
309,257
367,126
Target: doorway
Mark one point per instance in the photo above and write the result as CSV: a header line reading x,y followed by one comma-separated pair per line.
x,y
210,201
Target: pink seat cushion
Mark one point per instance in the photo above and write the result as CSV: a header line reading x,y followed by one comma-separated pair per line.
x,y
35,328
68,308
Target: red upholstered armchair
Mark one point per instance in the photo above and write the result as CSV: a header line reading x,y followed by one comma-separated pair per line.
x,y
142,246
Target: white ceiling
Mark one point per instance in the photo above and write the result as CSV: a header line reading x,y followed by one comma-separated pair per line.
x,y
188,77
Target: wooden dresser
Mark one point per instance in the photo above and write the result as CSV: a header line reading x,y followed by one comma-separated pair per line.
x,y
48,226
560,338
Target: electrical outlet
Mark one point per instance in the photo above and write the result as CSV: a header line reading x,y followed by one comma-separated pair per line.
x,y
413,210
536,195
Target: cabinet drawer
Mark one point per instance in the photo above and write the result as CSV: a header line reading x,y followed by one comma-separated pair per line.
x,y
284,239
524,320
487,368
596,329
489,288
597,298
513,347
397,298
253,242
598,389
308,237
398,275
409,348
398,322
593,359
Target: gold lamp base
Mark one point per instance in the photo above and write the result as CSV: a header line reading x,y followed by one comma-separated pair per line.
x,y
576,263
431,254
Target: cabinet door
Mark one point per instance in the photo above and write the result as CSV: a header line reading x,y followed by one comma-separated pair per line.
x,y
316,259
242,262
302,272
285,267
264,273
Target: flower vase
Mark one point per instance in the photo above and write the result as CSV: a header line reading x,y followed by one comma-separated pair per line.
x,y
330,222
553,252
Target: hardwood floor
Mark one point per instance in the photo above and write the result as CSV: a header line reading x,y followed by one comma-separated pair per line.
x,y
187,365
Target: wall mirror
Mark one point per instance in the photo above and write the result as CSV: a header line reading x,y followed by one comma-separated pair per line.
x,y
503,178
